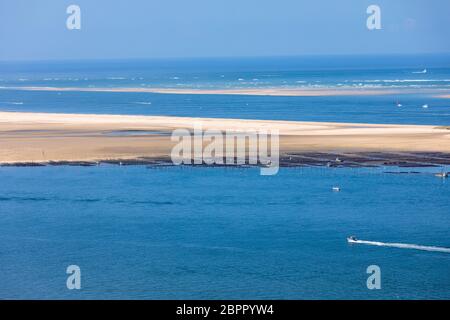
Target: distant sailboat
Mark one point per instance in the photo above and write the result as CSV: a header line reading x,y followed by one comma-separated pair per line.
x,y
423,71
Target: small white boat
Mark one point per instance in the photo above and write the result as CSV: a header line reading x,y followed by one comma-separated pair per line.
x,y
425,106
352,239
336,189
442,175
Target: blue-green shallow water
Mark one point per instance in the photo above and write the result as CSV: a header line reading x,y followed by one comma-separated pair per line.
x,y
359,109
189,233
396,72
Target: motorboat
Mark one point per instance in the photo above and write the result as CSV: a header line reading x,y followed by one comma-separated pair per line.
x,y
352,239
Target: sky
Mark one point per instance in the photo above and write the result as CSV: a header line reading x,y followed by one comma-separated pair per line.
x,y
36,29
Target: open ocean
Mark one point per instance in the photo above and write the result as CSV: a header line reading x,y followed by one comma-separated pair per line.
x,y
223,233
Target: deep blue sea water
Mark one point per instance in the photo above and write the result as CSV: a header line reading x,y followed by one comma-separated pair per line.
x,y
220,233
188,233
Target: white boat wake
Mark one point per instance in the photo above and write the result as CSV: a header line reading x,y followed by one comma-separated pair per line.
x,y
401,245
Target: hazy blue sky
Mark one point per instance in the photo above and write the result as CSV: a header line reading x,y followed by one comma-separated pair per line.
x,y
36,29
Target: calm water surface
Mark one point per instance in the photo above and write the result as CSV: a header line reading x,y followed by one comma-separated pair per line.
x,y
193,233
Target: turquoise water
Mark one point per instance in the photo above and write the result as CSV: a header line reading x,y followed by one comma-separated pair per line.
x,y
395,71
187,233
377,109
391,72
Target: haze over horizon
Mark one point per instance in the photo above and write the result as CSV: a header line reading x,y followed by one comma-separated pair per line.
x,y
36,30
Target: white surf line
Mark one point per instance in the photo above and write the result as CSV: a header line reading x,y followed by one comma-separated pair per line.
x,y
403,246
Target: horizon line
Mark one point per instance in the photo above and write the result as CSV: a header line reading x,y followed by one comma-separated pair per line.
x,y
173,58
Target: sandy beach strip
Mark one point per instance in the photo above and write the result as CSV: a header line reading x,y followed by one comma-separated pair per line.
x,y
43,137
294,92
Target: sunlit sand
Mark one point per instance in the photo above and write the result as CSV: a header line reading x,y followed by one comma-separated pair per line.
x,y
43,137
298,92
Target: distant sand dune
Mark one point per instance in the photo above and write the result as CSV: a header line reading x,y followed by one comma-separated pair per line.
x,y
300,92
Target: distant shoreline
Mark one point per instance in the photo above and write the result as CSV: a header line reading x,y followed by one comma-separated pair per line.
x,y
292,92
